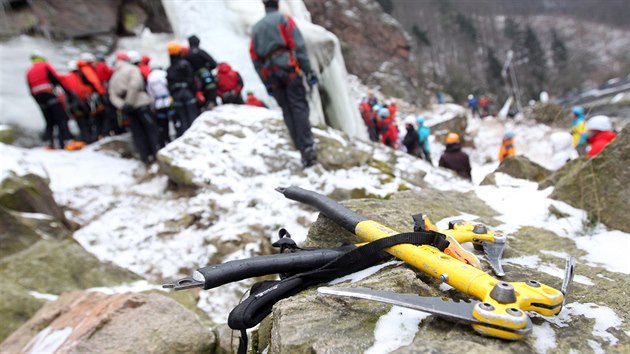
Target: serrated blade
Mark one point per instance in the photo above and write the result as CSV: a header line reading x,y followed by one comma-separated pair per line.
x,y
494,252
446,308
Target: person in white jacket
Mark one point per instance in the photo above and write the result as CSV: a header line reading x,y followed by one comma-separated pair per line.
x,y
157,87
127,93
563,150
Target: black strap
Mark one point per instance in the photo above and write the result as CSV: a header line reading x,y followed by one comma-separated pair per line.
x,y
265,294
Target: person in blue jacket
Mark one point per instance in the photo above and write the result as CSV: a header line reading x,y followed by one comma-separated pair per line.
x,y
473,104
423,137
578,130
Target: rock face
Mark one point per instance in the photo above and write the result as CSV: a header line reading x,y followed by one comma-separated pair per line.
x,y
311,322
31,194
379,53
457,124
124,323
519,167
599,185
70,19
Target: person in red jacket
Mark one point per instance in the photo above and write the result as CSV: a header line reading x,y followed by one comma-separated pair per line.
x,y
78,98
600,133
42,79
368,118
229,84
252,100
103,71
388,128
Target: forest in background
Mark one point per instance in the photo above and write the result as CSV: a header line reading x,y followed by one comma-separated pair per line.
x,y
462,46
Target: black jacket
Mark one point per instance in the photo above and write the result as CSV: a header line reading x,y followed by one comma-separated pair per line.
x,y
180,75
199,58
411,141
457,160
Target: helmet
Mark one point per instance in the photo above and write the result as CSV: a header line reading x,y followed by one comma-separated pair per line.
x,y
89,57
72,65
383,112
37,56
420,121
452,138
376,108
173,48
134,57
122,56
601,123
271,3
508,134
249,92
411,120
470,97
578,111
100,57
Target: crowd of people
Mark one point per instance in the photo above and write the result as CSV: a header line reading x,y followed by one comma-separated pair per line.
x,y
151,102
586,137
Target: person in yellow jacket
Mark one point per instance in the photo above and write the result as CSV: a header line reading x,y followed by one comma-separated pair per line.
x,y
578,130
507,146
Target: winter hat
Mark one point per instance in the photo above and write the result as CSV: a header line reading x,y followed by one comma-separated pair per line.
x,y
420,121
37,57
452,138
578,111
134,57
601,123
383,112
193,41
122,56
271,3
88,57
145,59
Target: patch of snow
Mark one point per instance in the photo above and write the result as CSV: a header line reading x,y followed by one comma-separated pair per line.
x,y
48,340
396,329
545,338
611,251
135,287
360,275
14,161
603,316
47,297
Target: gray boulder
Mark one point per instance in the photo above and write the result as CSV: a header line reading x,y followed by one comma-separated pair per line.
x,y
30,193
457,124
519,167
85,322
311,322
599,185
14,235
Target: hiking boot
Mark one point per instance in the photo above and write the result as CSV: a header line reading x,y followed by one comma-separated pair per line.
x,y
309,157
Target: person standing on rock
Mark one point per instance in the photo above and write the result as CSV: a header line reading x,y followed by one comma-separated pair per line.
x,y
279,55
42,80
454,158
127,93
423,138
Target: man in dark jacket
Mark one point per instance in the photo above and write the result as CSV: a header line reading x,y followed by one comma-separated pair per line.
x,y
279,55
181,85
454,158
410,141
42,80
202,64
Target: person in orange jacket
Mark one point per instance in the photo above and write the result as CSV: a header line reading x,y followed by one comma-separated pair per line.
x,y
252,100
507,148
77,100
42,80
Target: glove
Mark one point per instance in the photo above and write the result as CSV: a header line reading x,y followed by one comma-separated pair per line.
x,y
127,109
311,78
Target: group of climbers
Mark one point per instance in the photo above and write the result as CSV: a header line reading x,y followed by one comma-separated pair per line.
x,y
380,120
592,135
81,94
105,101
